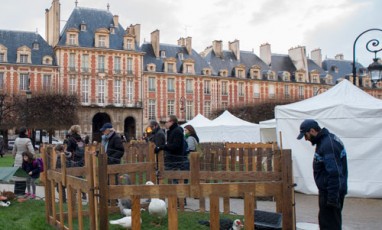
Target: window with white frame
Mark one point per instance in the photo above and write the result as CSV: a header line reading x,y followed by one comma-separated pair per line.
x,y
151,109
72,39
117,65
129,44
189,84
24,81
301,92
241,89
85,63
207,87
256,90
85,90
101,64
129,91
101,91
189,68
207,108
2,57
152,84
240,73
189,110
170,107
1,80
117,91
286,91
224,88
24,58
72,84
102,41
271,91
170,67
163,54
130,66
72,61
46,82
170,85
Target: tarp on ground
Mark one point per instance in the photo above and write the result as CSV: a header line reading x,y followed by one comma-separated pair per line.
x,y
7,173
356,118
228,128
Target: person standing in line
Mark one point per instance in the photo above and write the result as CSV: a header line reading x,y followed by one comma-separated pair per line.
x,y
113,144
330,173
158,137
22,144
32,168
191,138
75,145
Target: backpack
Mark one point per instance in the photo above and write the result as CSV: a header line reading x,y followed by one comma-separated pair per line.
x,y
40,164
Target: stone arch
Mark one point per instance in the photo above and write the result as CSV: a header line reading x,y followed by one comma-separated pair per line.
x,y
130,128
98,120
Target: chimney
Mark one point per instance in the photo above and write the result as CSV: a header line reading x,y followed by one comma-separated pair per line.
x,y
137,33
298,56
115,20
155,42
339,57
181,42
52,23
189,45
316,56
234,47
265,53
217,48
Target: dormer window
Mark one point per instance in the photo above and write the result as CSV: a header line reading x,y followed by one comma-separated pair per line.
x,y
112,29
128,42
102,41
72,37
188,66
180,56
223,73
334,69
36,46
3,53
163,54
102,38
270,75
240,71
24,55
151,67
47,60
286,76
207,71
170,68
254,72
83,26
2,57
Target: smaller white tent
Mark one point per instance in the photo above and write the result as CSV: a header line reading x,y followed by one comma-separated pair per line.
x,y
198,120
268,131
228,128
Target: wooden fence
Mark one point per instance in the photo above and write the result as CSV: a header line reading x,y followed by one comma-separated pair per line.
x,y
249,171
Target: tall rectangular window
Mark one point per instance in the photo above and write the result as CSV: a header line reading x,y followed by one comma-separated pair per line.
x,y
130,66
129,91
1,80
241,89
85,63
189,69
271,91
207,108
24,82
256,91
101,64
85,91
207,87
46,82
171,85
72,85
189,84
117,65
151,109
224,88
129,44
2,57
24,58
101,91
189,110
152,84
301,92
72,61
117,92
72,39
170,67
170,107
286,91
102,41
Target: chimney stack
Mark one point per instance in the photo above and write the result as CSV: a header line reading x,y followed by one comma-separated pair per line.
x,y
189,45
265,53
316,56
235,48
155,42
217,48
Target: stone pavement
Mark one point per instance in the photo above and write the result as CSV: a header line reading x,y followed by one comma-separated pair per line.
x,y
358,213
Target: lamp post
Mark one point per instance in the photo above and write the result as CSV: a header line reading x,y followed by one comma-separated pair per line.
x,y
375,68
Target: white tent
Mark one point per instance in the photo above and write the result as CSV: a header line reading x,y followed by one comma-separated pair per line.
x,y
356,118
268,131
198,120
228,128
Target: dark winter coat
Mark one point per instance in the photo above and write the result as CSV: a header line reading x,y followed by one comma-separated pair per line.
x,y
115,149
76,160
330,165
158,137
174,146
32,167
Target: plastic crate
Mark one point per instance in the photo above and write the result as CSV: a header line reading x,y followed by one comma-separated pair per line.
x,y
268,220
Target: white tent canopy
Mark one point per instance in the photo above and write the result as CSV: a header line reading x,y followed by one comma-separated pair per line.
x,y
356,118
198,120
228,128
268,131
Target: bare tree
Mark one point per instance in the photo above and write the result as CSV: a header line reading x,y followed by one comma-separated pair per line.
x,y
8,118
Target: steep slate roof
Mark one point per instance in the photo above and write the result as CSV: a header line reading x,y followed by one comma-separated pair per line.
x,y
344,68
94,19
282,62
172,51
229,61
16,39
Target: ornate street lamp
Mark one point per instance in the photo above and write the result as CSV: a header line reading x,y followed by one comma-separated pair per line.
x,y
375,69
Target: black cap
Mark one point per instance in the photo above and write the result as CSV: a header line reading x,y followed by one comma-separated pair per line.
x,y
106,126
306,126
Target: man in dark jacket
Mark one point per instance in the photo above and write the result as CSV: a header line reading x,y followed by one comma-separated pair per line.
x,y
174,157
158,137
113,144
330,173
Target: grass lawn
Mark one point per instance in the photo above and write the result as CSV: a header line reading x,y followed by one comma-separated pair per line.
x,y
7,160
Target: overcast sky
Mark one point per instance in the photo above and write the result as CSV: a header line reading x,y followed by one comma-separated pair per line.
x,y
331,25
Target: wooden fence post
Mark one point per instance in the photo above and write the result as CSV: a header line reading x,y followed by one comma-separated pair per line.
x,y
287,190
103,191
194,175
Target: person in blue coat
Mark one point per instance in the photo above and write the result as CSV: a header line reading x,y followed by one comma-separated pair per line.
x,y
330,173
